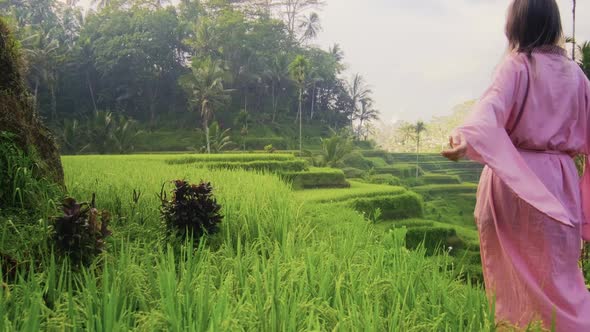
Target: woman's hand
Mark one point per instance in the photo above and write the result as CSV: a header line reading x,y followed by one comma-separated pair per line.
x,y
458,149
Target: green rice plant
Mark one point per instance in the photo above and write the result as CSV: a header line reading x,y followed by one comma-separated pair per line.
x,y
432,238
377,161
399,170
191,212
402,206
284,263
20,184
353,173
440,179
258,143
266,165
316,178
384,155
355,159
233,157
356,190
387,179
445,189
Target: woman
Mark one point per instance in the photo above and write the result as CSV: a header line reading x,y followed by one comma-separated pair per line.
x,y
529,213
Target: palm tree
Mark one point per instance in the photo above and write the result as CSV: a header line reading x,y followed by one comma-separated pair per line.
x,y
406,133
242,121
40,50
418,129
311,26
277,73
204,85
335,148
585,57
100,4
358,91
299,69
99,130
367,113
220,139
337,53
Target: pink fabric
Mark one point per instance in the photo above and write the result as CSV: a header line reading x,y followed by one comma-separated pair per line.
x,y
529,204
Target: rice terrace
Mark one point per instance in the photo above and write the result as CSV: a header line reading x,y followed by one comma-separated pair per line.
x,y
211,166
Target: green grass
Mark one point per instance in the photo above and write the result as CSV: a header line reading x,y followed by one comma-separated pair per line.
x,y
405,205
440,179
400,170
229,157
453,209
298,165
377,161
316,178
352,173
280,263
384,179
356,190
444,189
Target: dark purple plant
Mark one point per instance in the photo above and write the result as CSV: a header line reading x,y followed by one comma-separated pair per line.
x,y
192,211
81,232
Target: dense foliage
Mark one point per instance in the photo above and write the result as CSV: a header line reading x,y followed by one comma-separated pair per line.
x,y
184,66
20,184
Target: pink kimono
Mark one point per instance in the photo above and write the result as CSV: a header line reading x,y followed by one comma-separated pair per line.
x,y
529,208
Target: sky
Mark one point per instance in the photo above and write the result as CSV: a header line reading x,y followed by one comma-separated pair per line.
x,y
422,57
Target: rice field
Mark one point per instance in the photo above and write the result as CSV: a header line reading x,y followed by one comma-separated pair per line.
x,y
283,261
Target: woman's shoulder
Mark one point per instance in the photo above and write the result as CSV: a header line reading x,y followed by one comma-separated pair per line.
x,y
513,64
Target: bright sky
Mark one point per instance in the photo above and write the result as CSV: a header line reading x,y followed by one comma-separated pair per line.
x,y
422,57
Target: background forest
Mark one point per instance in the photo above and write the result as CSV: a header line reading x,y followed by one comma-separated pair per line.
x,y
144,75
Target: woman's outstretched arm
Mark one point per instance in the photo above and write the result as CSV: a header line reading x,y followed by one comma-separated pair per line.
x,y
484,138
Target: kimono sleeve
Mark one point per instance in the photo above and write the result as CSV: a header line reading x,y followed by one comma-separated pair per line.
x,y
489,143
585,182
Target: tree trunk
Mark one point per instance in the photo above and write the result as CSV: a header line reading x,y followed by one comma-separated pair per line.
x,y
417,153
206,124
312,101
246,100
53,103
300,122
153,104
91,91
360,130
274,103
35,96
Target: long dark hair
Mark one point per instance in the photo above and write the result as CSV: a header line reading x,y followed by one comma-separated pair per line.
x,y
533,23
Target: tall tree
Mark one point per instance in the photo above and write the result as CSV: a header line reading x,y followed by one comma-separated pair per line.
x,y
293,10
367,114
41,54
358,91
310,26
299,69
418,129
585,57
101,4
205,88
277,72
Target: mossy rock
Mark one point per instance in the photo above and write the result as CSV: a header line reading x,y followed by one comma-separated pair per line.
x,y
17,111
